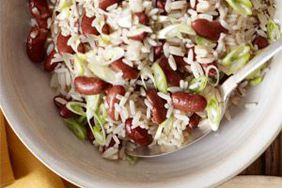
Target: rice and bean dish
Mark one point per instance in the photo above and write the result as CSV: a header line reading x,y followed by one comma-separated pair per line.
x,y
145,72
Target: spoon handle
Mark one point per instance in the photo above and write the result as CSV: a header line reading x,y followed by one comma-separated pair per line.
x,y
231,83
258,61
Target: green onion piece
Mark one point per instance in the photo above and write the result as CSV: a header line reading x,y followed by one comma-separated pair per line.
x,y
243,7
273,31
164,124
256,81
198,84
79,130
76,107
98,130
131,159
214,113
203,42
160,78
236,59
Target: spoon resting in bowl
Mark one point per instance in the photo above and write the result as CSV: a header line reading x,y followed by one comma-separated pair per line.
x,y
226,90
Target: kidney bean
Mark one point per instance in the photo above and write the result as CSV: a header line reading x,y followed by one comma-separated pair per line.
x,y
112,100
39,9
66,113
208,29
35,44
194,121
138,135
89,134
48,65
139,37
60,101
143,18
261,42
86,25
81,48
181,64
89,85
106,29
62,44
188,102
104,4
158,111
173,77
160,4
128,72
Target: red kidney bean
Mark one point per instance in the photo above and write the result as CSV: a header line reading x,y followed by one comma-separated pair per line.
x,y
139,37
66,113
158,51
143,18
104,4
35,44
48,65
194,121
173,77
138,135
208,29
89,133
60,101
86,25
89,85
158,111
81,48
188,102
39,9
106,29
112,100
62,44
261,42
160,4
181,64
128,72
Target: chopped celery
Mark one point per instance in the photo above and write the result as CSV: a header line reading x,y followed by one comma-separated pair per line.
x,y
160,78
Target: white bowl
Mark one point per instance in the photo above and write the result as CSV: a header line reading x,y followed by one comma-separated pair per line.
x,y
27,103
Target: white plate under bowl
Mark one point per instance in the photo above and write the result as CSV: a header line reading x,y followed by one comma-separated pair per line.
x,y
26,100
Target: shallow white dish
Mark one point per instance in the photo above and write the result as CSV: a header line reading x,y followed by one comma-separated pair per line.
x,y
26,100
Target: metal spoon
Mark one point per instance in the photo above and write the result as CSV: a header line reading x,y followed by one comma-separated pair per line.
x,y
225,89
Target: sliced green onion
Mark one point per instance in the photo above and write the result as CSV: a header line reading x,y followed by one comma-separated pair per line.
x,y
145,73
92,103
64,4
273,31
256,81
131,159
175,31
79,62
236,59
78,129
198,84
106,73
76,107
203,42
214,113
159,78
98,130
243,7
164,124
